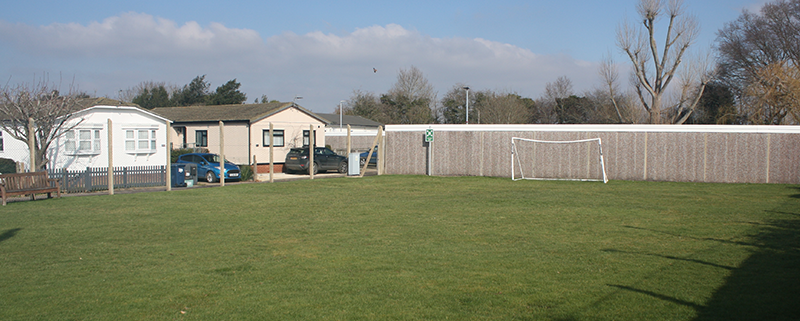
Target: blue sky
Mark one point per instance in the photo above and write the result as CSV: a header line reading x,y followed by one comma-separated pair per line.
x,y
323,50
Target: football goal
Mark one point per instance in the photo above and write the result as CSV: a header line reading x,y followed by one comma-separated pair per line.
x,y
575,160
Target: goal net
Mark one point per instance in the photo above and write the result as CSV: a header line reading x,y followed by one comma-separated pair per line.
x,y
575,160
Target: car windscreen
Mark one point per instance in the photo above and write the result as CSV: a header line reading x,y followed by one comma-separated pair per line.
x,y
214,158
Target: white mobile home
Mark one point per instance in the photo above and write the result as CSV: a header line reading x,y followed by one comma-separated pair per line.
x,y
139,138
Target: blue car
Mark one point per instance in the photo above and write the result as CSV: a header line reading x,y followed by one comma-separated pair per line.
x,y
373,160
208,166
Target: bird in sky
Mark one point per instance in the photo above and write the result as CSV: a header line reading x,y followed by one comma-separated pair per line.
x,y
374,70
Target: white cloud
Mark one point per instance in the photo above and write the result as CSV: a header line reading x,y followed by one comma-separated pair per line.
x,y
121,51
130,35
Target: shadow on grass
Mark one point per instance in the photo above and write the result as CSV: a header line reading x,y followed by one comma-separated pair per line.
x,y
9,234
670,257
766,286
798,192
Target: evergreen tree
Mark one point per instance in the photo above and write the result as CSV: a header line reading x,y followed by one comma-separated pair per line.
x,y
194,93
152,98
227,94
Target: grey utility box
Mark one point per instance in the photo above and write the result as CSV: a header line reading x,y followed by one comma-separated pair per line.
x,y
353,162
190,177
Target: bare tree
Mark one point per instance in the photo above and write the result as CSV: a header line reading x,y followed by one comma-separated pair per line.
x,y
757,51
411,100
39,106
561,88
655,67
610,74
502,108
364,104
548,104
694,76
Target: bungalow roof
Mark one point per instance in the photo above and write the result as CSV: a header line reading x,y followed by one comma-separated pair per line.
x,y
228,113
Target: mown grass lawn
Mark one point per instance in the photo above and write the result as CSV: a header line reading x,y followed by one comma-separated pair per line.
x,y
407,248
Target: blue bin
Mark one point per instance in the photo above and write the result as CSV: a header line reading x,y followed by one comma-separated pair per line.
x,y
178,175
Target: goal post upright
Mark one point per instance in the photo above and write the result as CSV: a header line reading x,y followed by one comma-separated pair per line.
x,y
602,161
516,157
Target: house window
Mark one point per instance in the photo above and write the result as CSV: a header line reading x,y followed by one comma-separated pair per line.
x,y
277,137
140,140
83,141
306,138
201,138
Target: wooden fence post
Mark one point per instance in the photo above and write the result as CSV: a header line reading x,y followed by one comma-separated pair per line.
x,y
32,145
255,169
221,153
271,155
110,159
168,147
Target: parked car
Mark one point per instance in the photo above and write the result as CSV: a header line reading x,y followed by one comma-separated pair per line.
x,y
324,160
372,160
208,166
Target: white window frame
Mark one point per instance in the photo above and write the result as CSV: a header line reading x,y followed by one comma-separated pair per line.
x,y
83,141
140,140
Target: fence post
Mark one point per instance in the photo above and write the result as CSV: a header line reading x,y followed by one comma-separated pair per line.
x,y
311,144
349,142
255,169
221,153
110,159
87,180
32,144
168,169
379,163
271,155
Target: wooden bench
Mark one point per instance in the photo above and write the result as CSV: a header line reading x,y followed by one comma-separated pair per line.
x,y
28,183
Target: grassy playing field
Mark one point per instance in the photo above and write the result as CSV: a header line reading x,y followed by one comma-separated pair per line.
x,y
407,248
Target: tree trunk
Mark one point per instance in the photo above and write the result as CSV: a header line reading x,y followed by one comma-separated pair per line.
x,y
655,110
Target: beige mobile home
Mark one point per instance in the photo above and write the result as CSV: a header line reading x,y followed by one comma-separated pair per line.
x,y
246,130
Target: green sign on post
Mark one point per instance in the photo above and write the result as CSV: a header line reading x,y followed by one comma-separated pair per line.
x,y
429,135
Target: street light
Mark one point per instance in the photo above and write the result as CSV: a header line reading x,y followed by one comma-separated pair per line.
x,y
467,89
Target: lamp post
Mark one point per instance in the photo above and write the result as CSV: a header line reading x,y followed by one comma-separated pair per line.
x,y
467,89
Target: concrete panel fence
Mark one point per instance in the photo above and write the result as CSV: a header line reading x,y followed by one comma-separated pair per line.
x,y
681,153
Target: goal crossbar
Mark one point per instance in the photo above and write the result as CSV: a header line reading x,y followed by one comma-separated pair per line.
x,y
515,154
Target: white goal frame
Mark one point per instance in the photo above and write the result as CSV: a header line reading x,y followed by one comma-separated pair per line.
x,y
514,158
